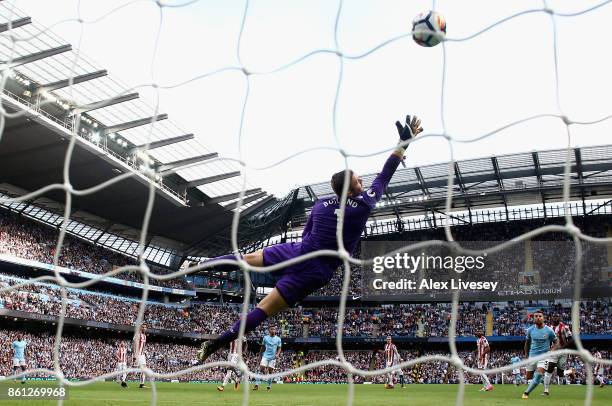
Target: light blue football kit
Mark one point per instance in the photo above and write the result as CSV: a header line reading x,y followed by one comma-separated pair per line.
x,y
19,349
271,344
541,340
268,360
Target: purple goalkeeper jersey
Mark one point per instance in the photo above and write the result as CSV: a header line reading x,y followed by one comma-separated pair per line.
x,y
320,230
300,280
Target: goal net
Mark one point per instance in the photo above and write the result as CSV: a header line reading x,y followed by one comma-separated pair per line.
x,y
16,43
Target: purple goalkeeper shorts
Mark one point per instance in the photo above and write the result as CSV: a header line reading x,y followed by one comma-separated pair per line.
x,y
297,281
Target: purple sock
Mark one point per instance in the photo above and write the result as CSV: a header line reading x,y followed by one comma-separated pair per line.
x,y
254,319
223,267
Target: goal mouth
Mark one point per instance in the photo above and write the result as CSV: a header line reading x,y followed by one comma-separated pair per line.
x,y
172,184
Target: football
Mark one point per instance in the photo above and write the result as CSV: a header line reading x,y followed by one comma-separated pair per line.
x,y
429,29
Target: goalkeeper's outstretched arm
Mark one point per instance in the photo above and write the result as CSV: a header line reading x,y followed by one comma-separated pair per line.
x,y
409,130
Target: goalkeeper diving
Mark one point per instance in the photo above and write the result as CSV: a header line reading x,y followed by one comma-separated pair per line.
x,y
297,281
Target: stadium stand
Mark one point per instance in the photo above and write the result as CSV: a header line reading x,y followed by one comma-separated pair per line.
x,y
26,239
404,320
87,357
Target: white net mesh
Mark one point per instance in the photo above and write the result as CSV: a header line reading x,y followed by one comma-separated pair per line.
x,y
71,68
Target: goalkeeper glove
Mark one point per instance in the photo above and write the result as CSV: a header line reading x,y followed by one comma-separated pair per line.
x,y
405,131
408,131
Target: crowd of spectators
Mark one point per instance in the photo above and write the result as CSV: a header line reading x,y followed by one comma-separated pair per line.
x,y
46,299
85,358
29,240
512,318
552,266
334,287
407,320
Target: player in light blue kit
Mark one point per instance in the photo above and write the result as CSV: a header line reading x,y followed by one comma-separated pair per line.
x,y
271,347
19,349
539,339
516,372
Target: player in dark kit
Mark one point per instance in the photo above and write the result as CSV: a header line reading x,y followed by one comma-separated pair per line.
x,y
297,281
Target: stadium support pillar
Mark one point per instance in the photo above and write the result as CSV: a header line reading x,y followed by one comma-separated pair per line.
x,y
579,169
500,184
232,196
246,200
162,143
463,190
22,60
173,166
287,217
49,87
205,181
422,183
399,224
133,124
20,22
311,193
538,172
104,103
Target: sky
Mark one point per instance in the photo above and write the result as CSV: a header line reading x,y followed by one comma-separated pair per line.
x,y
499,77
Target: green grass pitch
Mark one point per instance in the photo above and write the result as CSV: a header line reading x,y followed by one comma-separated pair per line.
x,y
109,393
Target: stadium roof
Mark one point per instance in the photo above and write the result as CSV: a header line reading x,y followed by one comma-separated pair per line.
x,y
496,181
415,198
196,194
52,91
